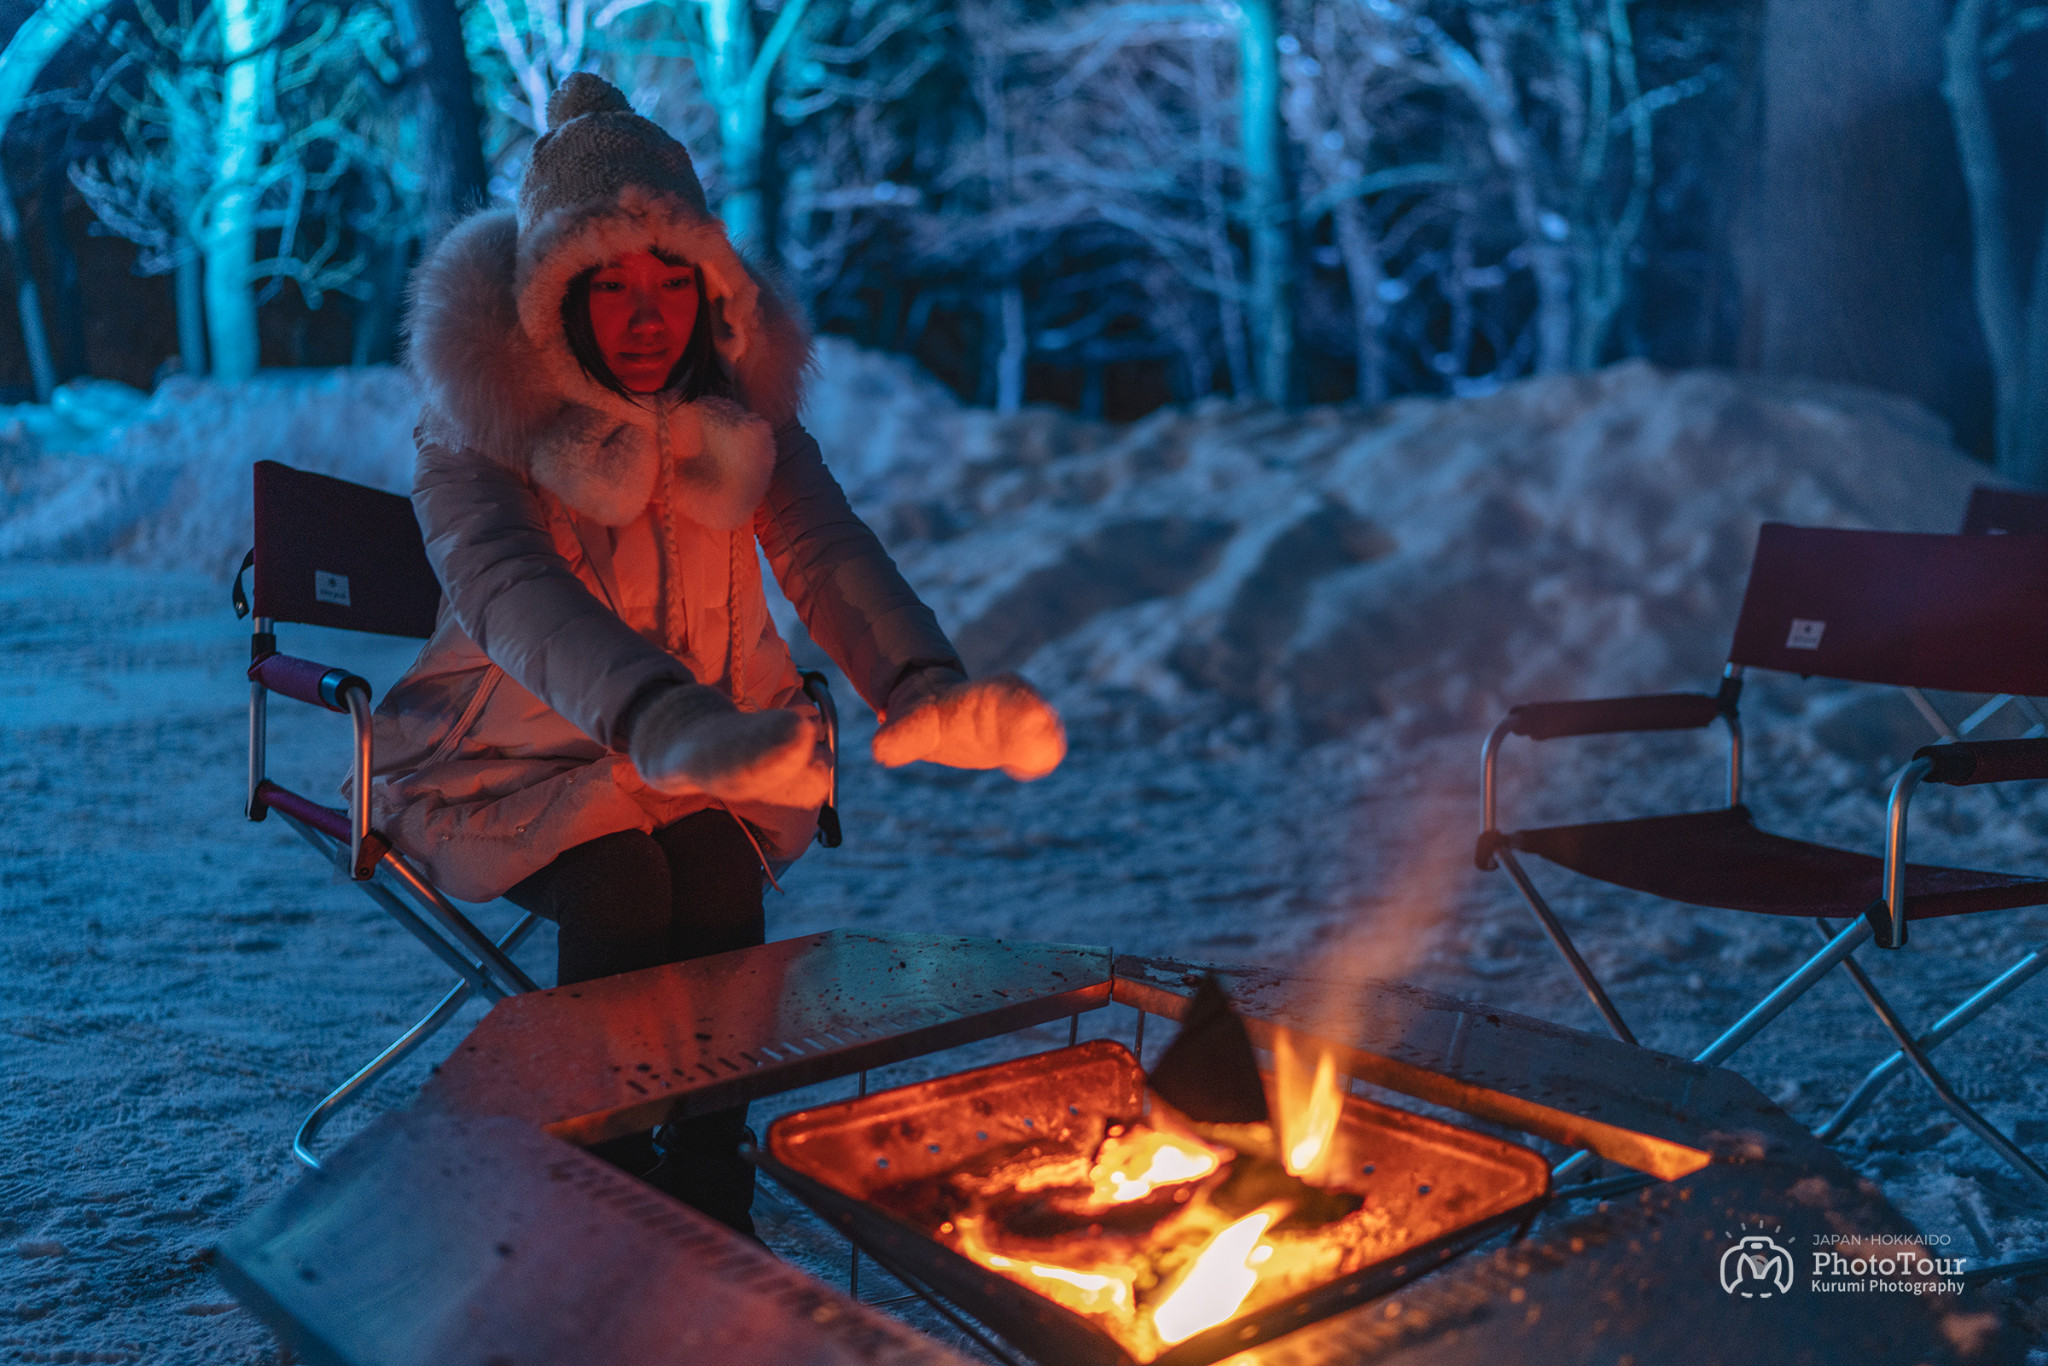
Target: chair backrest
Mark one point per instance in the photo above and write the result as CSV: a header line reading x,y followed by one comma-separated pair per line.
x,y
332,553
2005,512
1957,613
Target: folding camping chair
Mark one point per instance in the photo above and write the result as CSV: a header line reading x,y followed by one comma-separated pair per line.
x,y
1957,613
2005,512
332,553
1991,512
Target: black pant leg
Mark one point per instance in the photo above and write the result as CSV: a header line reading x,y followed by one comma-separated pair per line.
x,y
715,883
612,899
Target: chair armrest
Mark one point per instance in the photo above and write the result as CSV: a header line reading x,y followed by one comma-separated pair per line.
x,y
306,681
327,820
1614,715
1970,762
1609,716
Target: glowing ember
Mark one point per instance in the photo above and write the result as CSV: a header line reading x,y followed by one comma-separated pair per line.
x,y
1217,1281
1139,1224
1131,1163
1083,1290
1158,1229
1306,1114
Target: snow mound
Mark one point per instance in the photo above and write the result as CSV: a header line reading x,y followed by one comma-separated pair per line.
x,y
108,472
1421,565
164,481
1289,575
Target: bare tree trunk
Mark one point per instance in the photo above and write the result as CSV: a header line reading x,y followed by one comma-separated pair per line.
x,y
376,321
1545,232
1265,210
2018,343
729,50
191,301
67,300
736,76
191,138
1016,346
991,91
1216,229
1460,289
27,300
451,127
1606,246
1366,274
230,242
2030,435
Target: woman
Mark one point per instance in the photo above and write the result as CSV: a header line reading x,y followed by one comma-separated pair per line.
x,y
605,727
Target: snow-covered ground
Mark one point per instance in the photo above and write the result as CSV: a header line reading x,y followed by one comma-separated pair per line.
x,y
1278,638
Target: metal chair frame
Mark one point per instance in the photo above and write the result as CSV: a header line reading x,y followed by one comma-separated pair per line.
x,y
1839,943
1995,512
483,966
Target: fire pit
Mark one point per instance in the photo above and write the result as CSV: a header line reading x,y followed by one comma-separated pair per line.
x,y
1088,1222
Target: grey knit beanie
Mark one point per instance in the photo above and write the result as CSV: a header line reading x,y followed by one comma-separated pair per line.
x,y
604,183
594,148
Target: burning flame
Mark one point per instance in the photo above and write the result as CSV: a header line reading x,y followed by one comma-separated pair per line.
x,y
1130,1165
1307,1114
1097,1294
1086,1291
1217,1281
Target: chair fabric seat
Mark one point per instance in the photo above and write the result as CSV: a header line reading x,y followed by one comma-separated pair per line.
x,y
1720,858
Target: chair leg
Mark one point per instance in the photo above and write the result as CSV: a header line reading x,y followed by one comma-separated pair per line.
x,y
1563,943
507,977
1880,1076
1785,993
1937,1083
396,908
428,1025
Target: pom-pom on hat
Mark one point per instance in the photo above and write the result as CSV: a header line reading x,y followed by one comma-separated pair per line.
x,y
596,146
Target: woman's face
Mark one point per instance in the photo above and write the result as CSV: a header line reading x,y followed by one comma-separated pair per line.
x,y
642,311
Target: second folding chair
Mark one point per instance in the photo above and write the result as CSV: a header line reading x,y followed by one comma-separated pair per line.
x,y
1954,613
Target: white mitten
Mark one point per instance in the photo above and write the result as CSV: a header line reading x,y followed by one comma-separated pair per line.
x,y
691,738
994,722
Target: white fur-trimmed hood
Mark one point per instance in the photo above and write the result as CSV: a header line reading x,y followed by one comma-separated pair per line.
x,y
488,350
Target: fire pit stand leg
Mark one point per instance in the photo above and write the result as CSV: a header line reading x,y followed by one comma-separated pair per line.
x,y
1073,1030
1138,1051
853,1262
919,1290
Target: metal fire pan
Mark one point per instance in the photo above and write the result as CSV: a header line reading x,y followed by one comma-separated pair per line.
x,y
1448,1187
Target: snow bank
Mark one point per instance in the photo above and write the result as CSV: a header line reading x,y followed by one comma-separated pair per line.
x,y
1422,565
164,480
1418,565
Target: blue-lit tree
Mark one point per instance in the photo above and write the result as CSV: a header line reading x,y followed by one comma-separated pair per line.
x,y
258,149
2012,292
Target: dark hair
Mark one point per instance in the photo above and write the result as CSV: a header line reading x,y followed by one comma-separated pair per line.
x,y
697,373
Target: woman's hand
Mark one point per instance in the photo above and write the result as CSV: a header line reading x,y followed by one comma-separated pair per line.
x,y
691,738
994,722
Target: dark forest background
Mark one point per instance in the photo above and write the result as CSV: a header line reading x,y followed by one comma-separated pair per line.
x,y
1109,206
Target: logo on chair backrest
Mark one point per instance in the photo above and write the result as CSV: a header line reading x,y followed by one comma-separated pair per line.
x,y
1805,634
330,587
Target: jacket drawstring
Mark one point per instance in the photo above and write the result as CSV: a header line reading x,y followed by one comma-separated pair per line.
x,y
671,549
672,621
732,616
